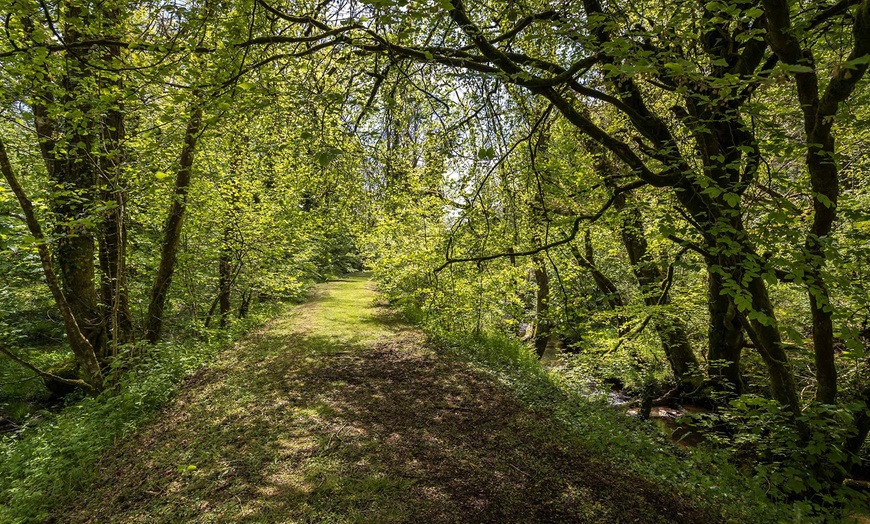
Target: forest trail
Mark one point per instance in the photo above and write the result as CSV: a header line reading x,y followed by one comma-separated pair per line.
x,y
338,412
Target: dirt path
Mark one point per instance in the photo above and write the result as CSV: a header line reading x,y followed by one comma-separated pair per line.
x,y
339,413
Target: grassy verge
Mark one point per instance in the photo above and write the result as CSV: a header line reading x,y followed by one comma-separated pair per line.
x,y
48,461
338,413
627,443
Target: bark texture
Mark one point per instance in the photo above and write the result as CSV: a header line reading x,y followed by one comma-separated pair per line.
x,y
172,231
543,324
80,345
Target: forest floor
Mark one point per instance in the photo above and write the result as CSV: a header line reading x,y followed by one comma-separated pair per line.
x,y
339,412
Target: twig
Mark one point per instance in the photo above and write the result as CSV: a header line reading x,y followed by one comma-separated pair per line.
x,y
521,471
335,434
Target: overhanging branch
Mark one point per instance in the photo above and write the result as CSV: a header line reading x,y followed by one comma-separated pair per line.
x,y
575,227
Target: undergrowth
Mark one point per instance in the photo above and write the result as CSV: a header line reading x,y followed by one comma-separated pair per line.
x,y
48,461
632,444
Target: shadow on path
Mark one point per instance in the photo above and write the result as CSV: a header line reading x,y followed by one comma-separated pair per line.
x,y
300,423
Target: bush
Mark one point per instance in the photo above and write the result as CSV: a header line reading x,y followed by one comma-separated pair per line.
x,y
803,471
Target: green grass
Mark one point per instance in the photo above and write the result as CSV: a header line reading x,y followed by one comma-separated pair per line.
x,y
274,468
628,443
53,456
337,412
345,314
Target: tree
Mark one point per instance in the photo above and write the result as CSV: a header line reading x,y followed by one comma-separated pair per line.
x,y
681,79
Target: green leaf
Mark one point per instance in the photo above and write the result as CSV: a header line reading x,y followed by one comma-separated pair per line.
x,y
861,60
824,200
794,68
674,68
486,153
325,157
733,199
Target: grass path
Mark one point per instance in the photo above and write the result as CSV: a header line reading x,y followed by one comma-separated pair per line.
x,y
337,412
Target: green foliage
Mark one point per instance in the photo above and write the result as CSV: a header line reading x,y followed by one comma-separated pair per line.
x,y
51,458
671,145
709,478
763,440
28,326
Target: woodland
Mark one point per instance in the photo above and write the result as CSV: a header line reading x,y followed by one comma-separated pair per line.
x,y
653,203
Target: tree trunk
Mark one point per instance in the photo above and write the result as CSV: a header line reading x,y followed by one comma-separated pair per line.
x,y
225,279
612,297
214,304
113,238
245,303
672,331
113,286
725,338
65,128
819,112
172,231
543,325
862,425
75,255
80,345
226,276
766,337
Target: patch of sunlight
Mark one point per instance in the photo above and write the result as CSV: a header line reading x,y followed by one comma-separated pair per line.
x,y
316,412
345,312
282,483
306,444
325,410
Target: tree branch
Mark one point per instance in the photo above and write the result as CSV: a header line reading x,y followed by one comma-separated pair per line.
x,y
575,227
45,374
